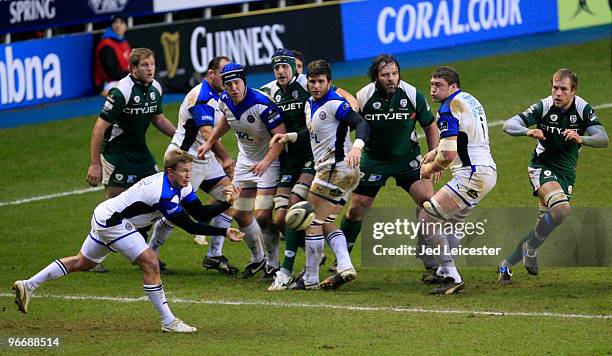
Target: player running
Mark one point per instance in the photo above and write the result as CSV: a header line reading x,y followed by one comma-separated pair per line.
x,y
564,122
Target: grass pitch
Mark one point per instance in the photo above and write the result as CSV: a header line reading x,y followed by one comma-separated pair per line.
x,y
385,311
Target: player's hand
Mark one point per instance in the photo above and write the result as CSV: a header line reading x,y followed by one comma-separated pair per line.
x,y
537,134
425,171
234,234
231,193
279,138
354,157
94,175
571,135
260,168
435,177
229,166
429,156
203,149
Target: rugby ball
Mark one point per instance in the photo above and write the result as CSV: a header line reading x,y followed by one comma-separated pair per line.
x,y
300,216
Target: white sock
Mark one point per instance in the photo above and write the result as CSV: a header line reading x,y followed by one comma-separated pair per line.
x,y
155,292
447,261
314,249
271,240
216,242
161,232
337,242
453,242
54,270
252,237
448,270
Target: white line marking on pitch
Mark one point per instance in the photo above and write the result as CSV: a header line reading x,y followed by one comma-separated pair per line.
x,y
321,306
95,189
51,196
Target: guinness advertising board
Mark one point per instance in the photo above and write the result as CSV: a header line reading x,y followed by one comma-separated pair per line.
x,y
183,49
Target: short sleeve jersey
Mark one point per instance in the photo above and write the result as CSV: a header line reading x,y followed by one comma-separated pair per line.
x,y
555,151
291,102
199,108
329,131
129,107
252,120
144,203
463,116
393,121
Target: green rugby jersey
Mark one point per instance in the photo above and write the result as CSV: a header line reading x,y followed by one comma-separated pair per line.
x,y
555,151
130,106
292,101
392,121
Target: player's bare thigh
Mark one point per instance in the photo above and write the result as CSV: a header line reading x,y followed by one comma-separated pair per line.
x,y
421,191
359,206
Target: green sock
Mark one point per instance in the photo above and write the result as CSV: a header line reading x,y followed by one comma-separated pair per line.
x,y
351,230
517,254
292,242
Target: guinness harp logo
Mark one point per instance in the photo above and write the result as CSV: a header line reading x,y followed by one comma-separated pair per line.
x,y
170,42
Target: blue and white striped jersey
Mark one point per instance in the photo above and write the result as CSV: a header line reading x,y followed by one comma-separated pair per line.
x,y
199,108
329,132
252,119
463,116
144,203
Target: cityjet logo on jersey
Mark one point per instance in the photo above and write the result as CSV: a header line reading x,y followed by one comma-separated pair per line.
x,y
29,78
29,10
139,111
555,130
248,46
424,20
390,116
291,106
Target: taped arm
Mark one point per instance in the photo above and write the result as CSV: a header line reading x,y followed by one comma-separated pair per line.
x,y
447,151
301,137
182,220
515,126
597,137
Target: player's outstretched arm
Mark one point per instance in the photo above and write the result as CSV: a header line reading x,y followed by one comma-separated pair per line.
x,y
163,124
182,220
94,173
202,212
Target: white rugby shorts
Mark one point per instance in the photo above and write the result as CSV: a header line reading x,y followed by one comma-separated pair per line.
x,y
123,238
